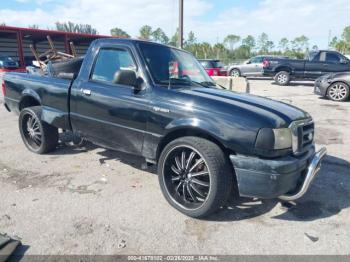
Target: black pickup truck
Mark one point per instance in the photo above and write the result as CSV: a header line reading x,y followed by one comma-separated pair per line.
x,y
316,64
158,102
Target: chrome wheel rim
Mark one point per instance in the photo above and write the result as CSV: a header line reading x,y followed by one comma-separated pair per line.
x,y
282,78
338,92
235,73
186,177
31,131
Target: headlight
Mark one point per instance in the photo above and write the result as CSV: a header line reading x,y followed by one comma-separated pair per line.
x,y
283,138
274,139
328,78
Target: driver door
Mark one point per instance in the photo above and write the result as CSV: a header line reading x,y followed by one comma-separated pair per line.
x,y
109,114
254,67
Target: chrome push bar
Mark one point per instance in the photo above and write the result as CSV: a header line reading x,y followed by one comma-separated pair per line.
x,y
312,171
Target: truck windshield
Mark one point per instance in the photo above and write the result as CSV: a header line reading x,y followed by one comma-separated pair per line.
x,y
170,66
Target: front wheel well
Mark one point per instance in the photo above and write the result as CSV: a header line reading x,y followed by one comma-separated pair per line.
x,y
190,132
337,82
28,101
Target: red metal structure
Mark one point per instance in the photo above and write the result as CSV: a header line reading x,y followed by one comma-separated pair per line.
x,y
15,42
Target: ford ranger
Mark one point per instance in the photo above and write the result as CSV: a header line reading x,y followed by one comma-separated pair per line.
x,y
158,102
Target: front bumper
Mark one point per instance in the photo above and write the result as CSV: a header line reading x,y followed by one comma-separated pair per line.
x,y
287,178
321,87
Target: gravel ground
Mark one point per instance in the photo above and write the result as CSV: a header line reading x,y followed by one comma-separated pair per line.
x,y
95,201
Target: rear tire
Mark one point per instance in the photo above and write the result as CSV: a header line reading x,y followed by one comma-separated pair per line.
x,y
338,92
195,176
282,78
38,136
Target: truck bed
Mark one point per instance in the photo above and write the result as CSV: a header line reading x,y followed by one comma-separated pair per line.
x,y
297,66
51,92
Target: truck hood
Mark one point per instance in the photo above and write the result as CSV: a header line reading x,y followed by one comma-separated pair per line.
x,y
277,113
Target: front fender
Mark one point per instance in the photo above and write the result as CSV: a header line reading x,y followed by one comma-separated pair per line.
x,y
231,135
193,123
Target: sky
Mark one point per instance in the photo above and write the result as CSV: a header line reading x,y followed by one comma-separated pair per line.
x,y
210,20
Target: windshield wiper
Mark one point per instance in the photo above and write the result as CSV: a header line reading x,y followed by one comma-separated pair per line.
x,y
186,81
205,83
208,83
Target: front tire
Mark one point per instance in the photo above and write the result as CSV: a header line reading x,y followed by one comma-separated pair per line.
x,y
282,78
39,137
338,92
195,176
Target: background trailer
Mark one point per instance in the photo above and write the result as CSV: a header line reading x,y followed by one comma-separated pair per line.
x,y
15,42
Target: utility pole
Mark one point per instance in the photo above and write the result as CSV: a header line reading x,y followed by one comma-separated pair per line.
x,y
329,38
181,23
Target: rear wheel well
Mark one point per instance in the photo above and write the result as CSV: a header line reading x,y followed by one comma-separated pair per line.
x,y
28,101
190,132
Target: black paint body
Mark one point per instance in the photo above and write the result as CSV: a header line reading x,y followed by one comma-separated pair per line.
x,y
141,122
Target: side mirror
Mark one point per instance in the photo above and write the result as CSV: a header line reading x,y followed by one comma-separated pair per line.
x,y
128,78
249,62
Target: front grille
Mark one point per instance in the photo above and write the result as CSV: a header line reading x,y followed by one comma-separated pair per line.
x,y
304,132
307,134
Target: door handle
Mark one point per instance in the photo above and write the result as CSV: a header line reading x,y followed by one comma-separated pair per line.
x,y
86,92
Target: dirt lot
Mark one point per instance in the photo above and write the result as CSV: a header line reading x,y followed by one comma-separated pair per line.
x,y
95,201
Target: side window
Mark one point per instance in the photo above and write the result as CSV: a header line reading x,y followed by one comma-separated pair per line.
x,y
256,60
109,61
332,58
321,57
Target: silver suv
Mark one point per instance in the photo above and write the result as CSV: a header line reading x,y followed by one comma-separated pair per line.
x,y
251,67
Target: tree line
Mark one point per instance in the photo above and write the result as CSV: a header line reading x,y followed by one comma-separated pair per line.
x,y
232,48
342,43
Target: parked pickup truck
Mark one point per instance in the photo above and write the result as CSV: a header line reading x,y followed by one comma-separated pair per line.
x,y
316,64
133,96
